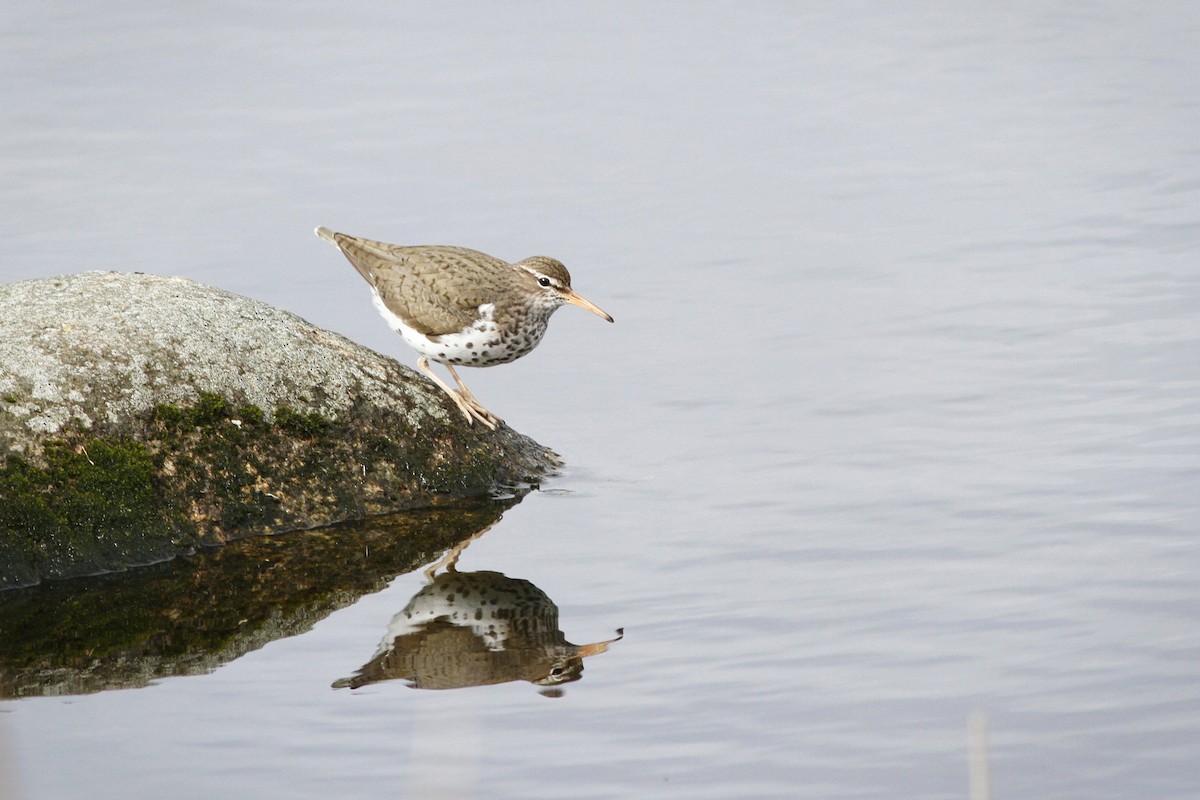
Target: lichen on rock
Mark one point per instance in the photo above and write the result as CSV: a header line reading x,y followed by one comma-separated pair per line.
x,y
143,416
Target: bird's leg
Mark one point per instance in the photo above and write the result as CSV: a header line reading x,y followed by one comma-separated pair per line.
x,y
450,560
475,405
469,411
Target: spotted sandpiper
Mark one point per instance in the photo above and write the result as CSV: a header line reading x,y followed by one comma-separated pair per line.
x,y
459,306
476,629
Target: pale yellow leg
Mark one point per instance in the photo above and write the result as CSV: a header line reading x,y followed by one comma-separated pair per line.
x,y
450,560
475,405
469,407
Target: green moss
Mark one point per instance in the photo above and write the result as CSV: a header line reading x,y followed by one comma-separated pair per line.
x,y
297,424
209,409
27,502
237,474
10,398
103,484
250,415
168,414
214,471
93,505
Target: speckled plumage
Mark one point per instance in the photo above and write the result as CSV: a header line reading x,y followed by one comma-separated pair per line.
x,y
459,306
476,629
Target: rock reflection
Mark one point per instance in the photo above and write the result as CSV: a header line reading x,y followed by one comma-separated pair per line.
x,y
193,614
476,629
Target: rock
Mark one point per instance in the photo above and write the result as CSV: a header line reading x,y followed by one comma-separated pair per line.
x,y
142,416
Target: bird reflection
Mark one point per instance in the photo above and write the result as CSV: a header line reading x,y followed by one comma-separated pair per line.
x,y
476,629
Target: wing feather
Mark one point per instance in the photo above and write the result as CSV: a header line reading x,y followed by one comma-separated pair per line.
x,y
434,289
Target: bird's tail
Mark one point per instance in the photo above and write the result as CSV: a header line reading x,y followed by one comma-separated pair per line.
x,y
327,235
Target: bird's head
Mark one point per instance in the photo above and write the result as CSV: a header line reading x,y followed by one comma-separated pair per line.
x,y
553,284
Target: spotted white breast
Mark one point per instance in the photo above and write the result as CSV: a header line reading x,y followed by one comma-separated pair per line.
x,y
482,344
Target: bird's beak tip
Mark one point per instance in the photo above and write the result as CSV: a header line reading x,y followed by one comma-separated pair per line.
x,y
582,302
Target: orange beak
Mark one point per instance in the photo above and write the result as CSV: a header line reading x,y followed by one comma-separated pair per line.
x,y
596,648
575,299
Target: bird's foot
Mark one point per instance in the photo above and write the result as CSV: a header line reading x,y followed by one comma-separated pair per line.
x,y
466,402
481,413
472,410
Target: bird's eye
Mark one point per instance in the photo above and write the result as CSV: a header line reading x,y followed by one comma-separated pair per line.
x,y
543,280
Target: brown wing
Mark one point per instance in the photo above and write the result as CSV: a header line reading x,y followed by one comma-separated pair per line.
x,y
433,289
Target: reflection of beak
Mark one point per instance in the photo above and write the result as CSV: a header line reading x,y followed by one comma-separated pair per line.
x,y
597,648
575,299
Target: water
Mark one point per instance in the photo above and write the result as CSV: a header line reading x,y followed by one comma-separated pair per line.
x,y
899,420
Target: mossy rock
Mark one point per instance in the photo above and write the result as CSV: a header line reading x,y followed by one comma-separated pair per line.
x,y
150,415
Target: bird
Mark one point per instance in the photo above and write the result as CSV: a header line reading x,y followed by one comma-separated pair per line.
x,y
476,629
461,307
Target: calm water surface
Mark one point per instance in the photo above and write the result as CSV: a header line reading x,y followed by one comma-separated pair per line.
x,y
900,419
